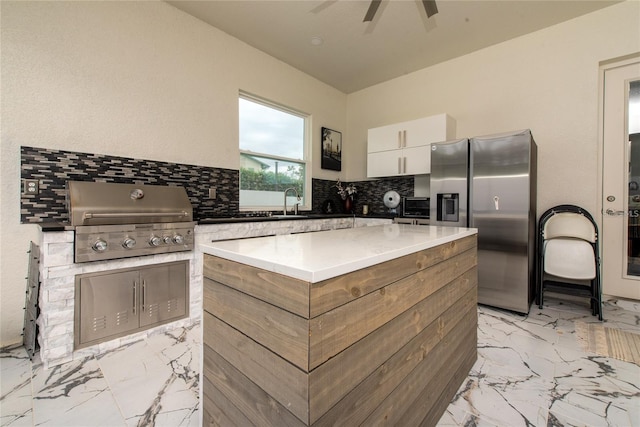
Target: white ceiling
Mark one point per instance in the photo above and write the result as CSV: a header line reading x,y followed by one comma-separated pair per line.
x,y
399,40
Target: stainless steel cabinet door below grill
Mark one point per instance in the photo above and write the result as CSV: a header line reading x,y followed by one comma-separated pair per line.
x,y
116,303
163,293
108,305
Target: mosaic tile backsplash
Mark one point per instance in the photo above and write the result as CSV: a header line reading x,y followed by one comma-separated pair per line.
x,y
369,193
53,168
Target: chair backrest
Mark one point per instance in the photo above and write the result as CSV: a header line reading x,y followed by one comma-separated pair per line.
x,y
569,224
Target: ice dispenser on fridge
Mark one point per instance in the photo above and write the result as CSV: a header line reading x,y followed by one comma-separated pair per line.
x,y
448,207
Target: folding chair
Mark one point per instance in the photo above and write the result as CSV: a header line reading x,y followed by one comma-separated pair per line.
x,y
568,255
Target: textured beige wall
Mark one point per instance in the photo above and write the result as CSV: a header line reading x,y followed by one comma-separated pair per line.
x,y
134,79
546,81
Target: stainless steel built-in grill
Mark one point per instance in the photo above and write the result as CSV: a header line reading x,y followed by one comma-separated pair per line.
x,y
124,220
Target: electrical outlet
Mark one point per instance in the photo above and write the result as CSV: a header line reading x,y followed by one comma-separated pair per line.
x,y
31,186
212,193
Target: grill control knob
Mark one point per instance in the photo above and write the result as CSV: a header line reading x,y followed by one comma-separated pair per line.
x,y
155,241
99,245
129,243
178,239
167,240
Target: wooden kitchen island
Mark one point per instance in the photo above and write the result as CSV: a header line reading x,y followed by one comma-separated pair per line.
x,y
362,326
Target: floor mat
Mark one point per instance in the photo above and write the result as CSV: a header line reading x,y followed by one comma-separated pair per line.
x,y
609,342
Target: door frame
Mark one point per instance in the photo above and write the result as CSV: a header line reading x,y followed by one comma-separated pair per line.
x,y
603,67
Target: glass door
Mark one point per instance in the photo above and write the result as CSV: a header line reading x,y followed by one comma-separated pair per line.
x,y
633,228
620,231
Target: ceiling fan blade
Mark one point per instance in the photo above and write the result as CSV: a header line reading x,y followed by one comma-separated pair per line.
x,y
430,7
373,7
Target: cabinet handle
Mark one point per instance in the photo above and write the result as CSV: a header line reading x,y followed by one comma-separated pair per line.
x,y
404,165
404,139
399,139
399,164
135,296
144,294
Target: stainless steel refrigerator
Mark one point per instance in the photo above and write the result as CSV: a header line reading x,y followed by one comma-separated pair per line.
x,y
489,183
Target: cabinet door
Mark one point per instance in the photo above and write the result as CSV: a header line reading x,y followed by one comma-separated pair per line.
x,y
417,160
428,130
384,163
163,293
384,138
107,305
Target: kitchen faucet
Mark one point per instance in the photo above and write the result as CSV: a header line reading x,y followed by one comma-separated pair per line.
x,y
285,200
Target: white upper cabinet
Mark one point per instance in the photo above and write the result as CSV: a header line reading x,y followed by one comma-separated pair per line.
x,y
405,148
407,161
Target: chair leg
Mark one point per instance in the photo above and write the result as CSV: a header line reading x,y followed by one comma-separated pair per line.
x,y
594,297
540,279
599,296
592,300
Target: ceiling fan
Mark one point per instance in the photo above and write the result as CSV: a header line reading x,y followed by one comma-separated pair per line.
x,y
429,7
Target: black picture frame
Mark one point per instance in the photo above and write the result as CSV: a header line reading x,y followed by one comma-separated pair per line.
x,y
331,149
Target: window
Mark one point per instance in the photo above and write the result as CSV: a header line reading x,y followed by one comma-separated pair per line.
x,y
273,155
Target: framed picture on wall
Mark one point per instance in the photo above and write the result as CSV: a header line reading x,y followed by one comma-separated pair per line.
x,y
331,149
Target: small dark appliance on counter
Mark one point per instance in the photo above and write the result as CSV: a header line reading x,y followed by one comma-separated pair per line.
x,y
415,207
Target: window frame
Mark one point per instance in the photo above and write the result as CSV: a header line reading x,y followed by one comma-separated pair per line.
x,y
307,160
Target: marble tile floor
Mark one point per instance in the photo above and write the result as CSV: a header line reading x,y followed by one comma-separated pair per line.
x,y
154,381
531,371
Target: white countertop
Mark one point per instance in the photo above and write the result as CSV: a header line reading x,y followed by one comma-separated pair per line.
x,y
317,256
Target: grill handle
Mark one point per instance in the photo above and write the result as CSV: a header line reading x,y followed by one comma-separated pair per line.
x,y
89,215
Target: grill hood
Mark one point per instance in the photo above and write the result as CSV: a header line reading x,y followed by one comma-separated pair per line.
x,y
101,203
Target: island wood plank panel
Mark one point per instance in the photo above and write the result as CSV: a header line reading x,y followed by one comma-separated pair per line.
x,y
442,401
331,293
279,330
239,401
295,339
332,332
430,291
363,399
282,291
284,382
214,401
411,401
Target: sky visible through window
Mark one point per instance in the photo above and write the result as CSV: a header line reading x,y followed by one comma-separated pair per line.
x,y
267,130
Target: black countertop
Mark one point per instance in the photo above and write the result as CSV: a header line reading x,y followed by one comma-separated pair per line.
x,y
55,226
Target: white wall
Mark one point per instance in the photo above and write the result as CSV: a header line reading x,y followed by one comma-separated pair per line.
x,y
133,79
546,81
